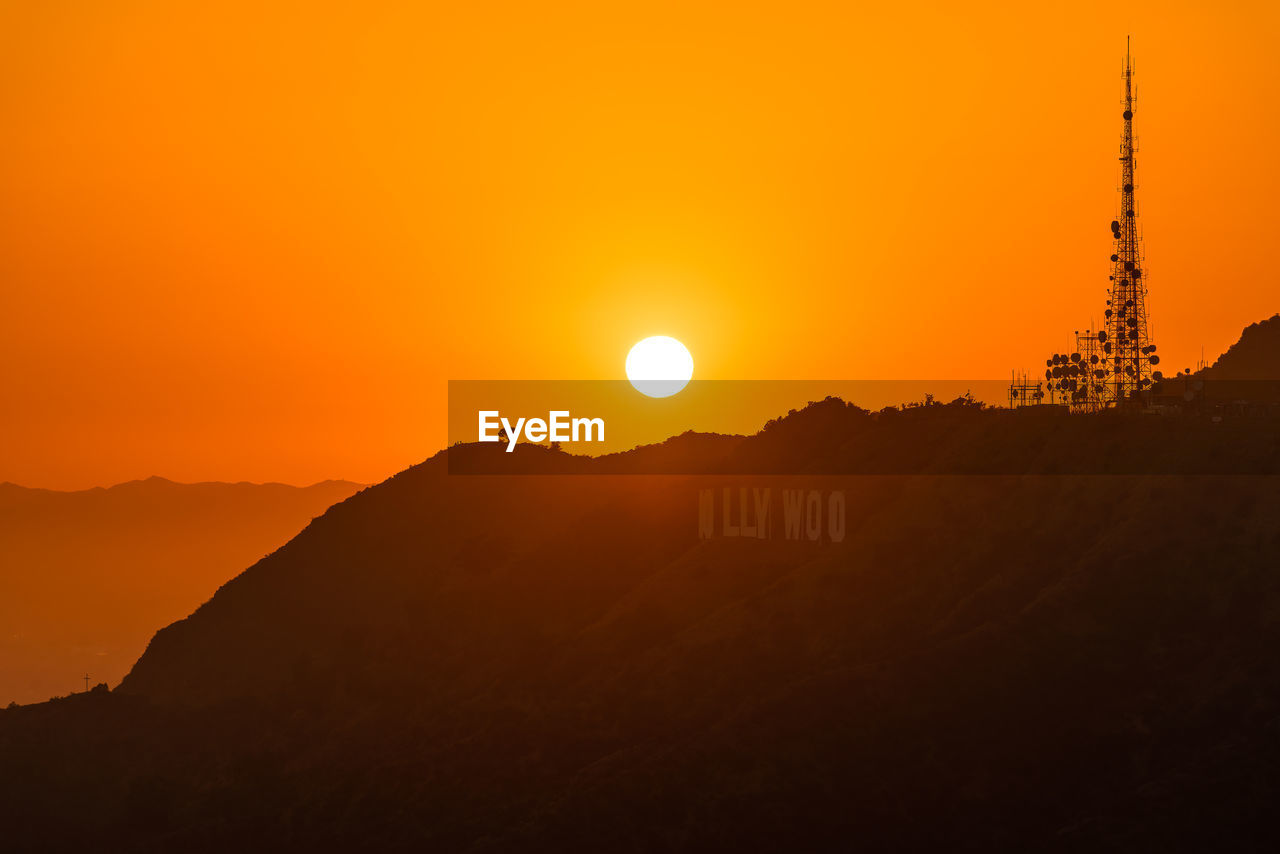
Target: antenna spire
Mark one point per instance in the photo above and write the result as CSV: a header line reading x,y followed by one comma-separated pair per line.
x,y
1113,365
1127,332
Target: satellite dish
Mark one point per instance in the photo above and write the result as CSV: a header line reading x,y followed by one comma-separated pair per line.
x,y
1155,360
1093,359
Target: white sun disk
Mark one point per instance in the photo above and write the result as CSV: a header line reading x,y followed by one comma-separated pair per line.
x,y
659,366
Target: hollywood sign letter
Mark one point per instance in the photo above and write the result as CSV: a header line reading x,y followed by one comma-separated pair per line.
x,y
802,514
745,513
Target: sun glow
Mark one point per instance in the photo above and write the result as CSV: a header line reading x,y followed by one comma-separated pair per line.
x,y
659,366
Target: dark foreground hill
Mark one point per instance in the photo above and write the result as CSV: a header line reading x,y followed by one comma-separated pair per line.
x,y
1256,356
85,577
514,663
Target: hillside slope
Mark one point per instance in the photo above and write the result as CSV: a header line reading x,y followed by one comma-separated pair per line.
x,y
85,577
559,662
1256,356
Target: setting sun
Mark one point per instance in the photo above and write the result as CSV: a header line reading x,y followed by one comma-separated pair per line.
x,y
659,366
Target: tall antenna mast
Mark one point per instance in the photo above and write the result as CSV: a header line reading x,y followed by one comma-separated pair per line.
x,y
1126,339
1112,366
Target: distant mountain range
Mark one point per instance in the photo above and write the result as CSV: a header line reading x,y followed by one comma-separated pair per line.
x,y
86,576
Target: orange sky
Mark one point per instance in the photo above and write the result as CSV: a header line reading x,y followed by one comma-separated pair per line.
x,y
240,243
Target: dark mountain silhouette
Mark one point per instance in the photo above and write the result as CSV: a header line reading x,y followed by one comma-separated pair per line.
x,y
555,661
1256,356
86,576
1244,380
516,663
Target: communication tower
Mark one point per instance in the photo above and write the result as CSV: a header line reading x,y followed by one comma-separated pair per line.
x,y
1023,392
1125,338
1114,365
